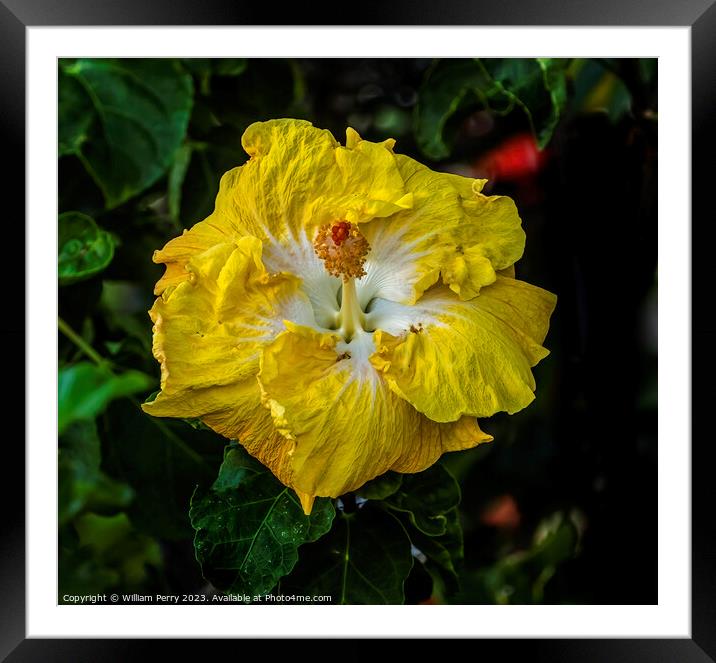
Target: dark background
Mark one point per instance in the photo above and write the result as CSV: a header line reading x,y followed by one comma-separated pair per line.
x,y
581,457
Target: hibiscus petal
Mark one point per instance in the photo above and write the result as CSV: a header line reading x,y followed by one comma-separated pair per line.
x,y
299,177
236,412
209,330
489,240
467,357
451,228
299,257
208,335
347,425
178,251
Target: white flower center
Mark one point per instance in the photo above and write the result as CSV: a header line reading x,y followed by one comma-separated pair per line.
x,y
352,307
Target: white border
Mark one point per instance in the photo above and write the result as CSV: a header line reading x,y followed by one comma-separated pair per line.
x,y
670,618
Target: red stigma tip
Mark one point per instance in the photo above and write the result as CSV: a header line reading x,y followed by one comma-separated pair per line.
x,y
342,248
340,232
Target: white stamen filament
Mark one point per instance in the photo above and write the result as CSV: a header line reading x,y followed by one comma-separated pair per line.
x,y
351,318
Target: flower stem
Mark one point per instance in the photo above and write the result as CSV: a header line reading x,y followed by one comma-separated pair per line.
x,y
85,347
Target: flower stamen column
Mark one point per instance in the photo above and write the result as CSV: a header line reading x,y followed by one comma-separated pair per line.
x,y
344,250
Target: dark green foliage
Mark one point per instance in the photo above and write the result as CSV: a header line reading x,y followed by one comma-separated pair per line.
x,y
521,576
83,249
84,390
536,86
427,497
442,555
365,559
381,487
148,504
163,460
105,553
249,526
82,485
124,119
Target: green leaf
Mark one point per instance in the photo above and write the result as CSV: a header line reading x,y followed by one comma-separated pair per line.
x,y
427,497
365,559
138,113
163,460
381,487
84,390
249,526
81,484
543,115
441,555
177,174
84,249
75,117
555,540
81,489
452,87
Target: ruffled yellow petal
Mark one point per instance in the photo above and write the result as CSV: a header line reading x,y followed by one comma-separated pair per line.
x,y
297,178
468,270
490,234
209,330
347,425
234,411
452,228
300,177
178,251
468,357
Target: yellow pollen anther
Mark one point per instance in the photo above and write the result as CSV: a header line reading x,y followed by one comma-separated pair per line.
x,y
342,248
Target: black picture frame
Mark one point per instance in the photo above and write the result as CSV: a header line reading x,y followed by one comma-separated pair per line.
x,y
700,15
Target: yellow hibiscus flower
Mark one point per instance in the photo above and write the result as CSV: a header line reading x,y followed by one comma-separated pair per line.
x,y
345,311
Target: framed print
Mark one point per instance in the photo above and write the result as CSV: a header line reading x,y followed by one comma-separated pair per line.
x,y
359,328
